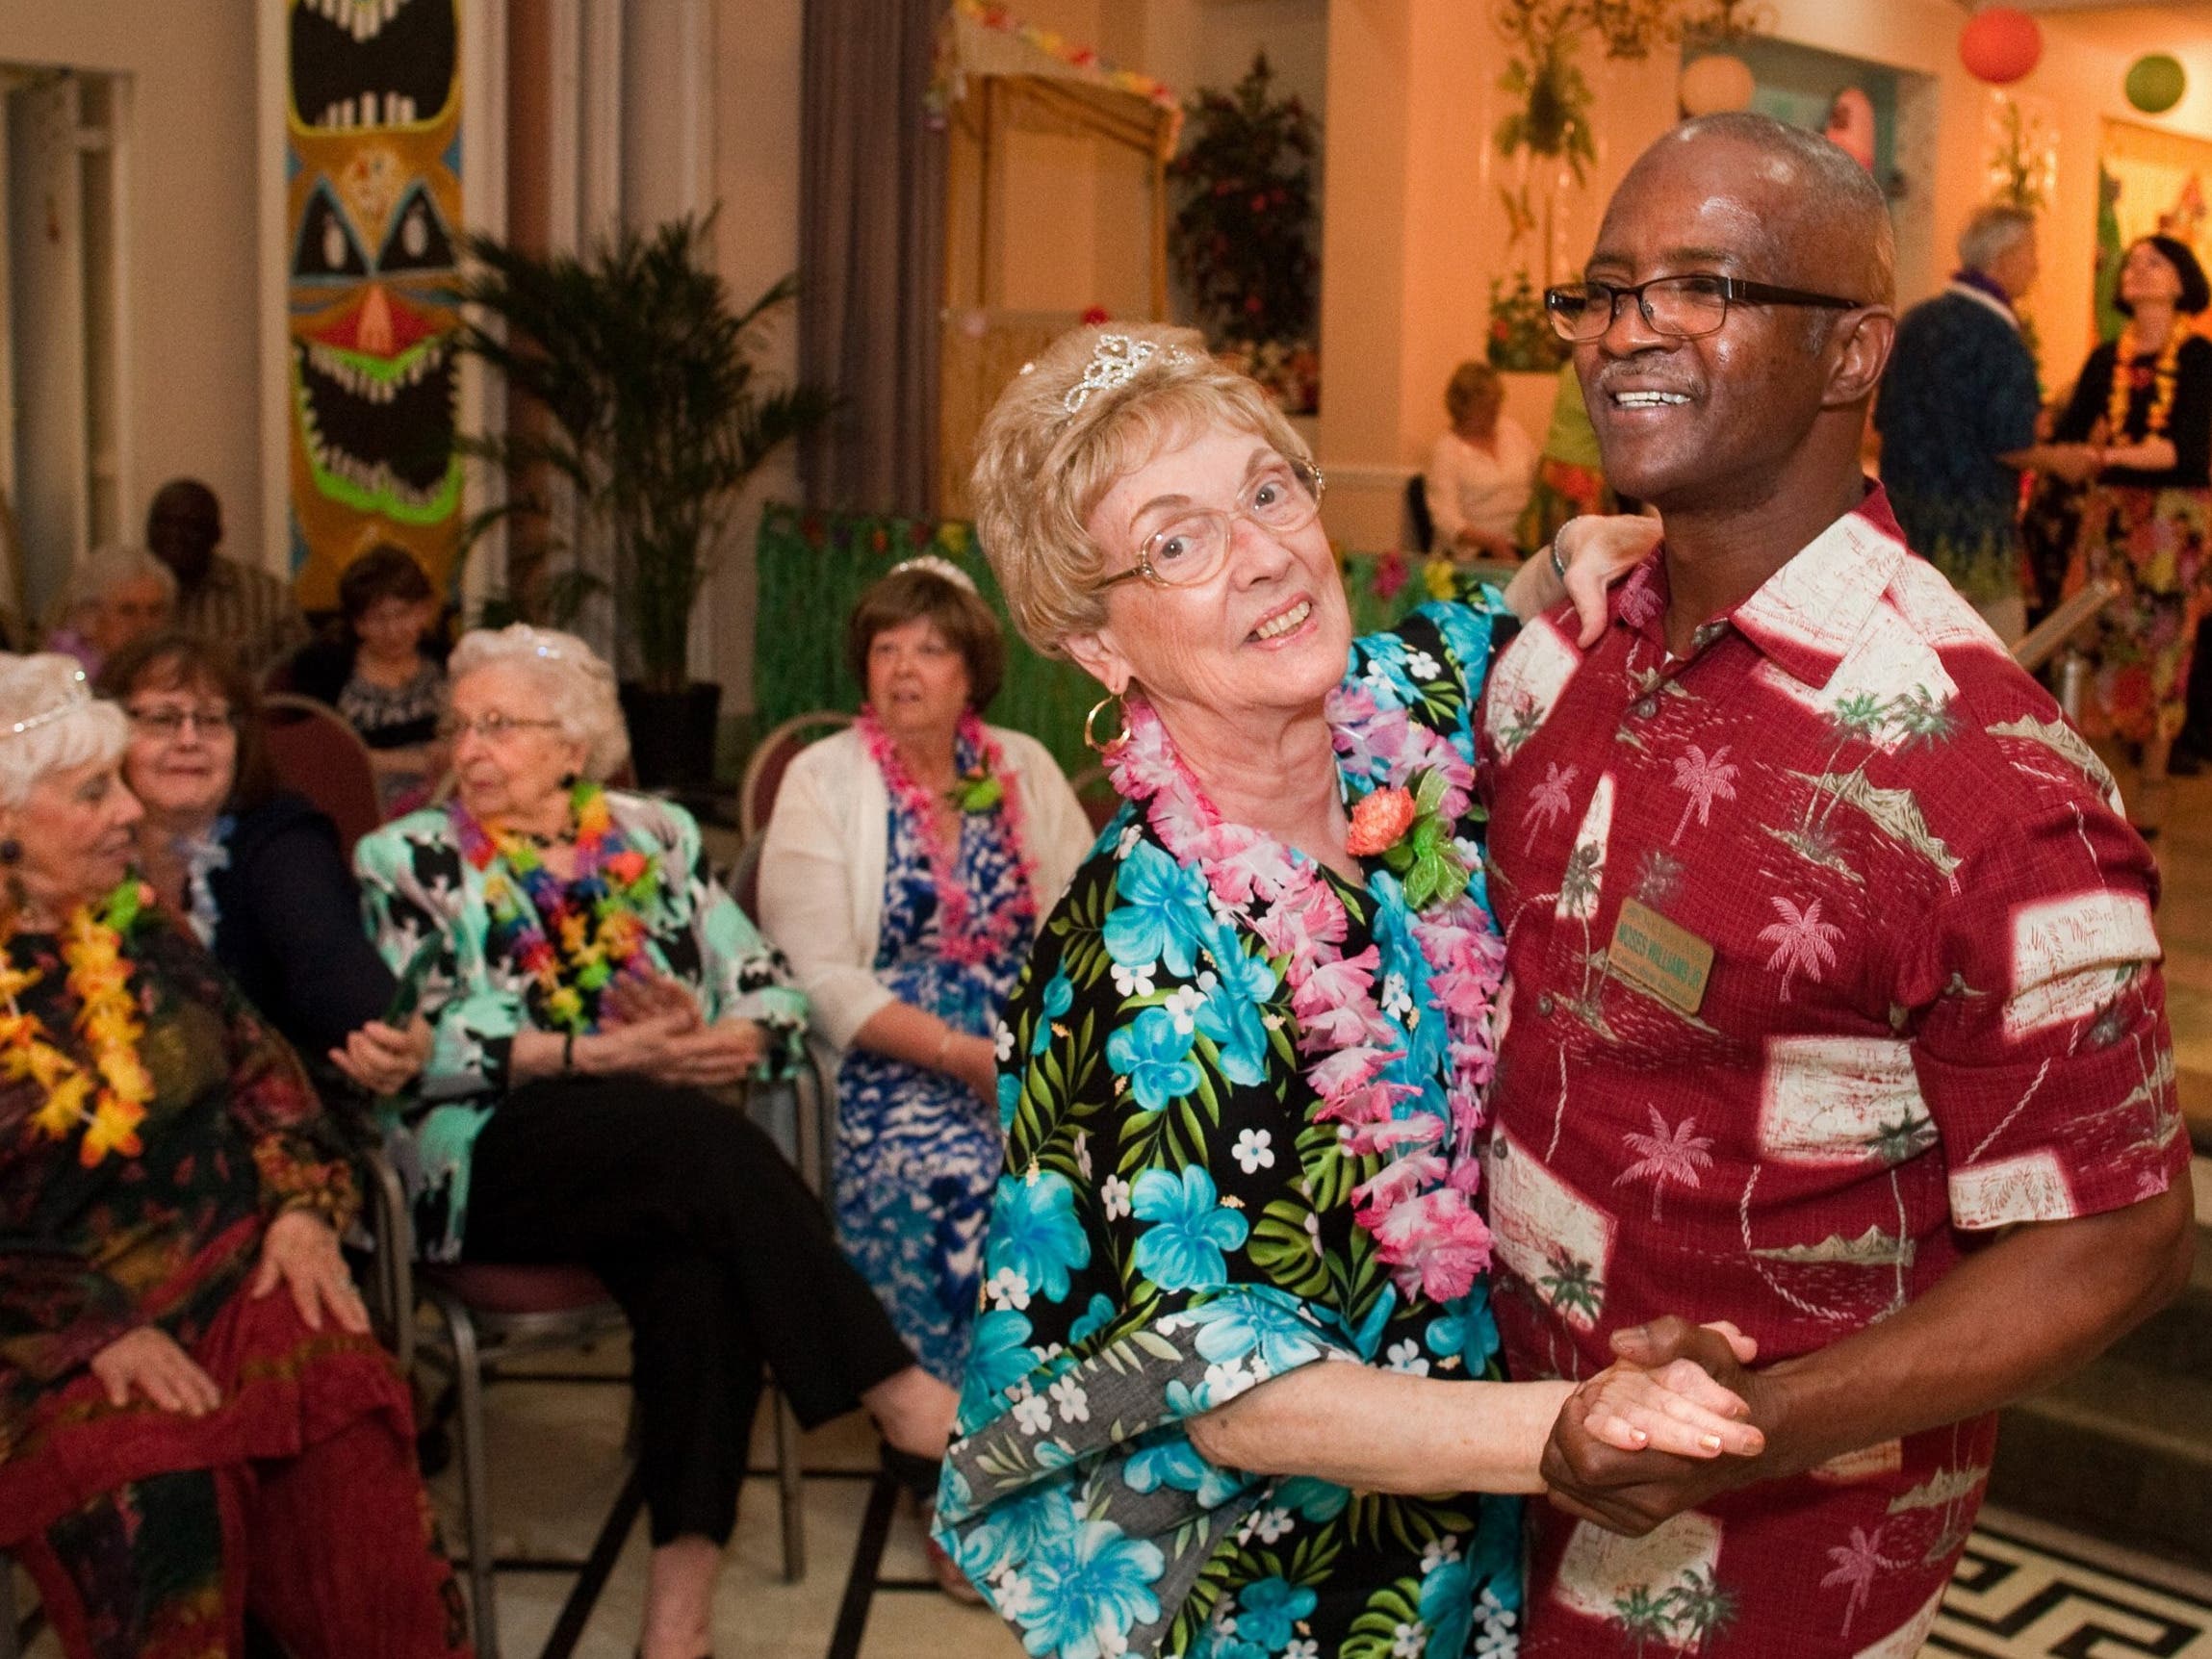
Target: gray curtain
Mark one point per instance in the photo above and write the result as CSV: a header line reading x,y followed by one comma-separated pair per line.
x,y
871,253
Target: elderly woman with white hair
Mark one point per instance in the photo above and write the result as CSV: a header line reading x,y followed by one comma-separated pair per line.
x,y
1243,1074
586,981
180,1444
115,597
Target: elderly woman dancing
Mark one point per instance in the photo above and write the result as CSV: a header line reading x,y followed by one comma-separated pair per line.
x,y
195,1422
588,982
1245,1068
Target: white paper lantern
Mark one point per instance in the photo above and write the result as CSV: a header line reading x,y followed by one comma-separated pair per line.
x,y
1716,82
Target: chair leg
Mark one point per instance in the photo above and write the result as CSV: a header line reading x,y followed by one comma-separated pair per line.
x,y
867,1562
8,1649
475,1478
790,1495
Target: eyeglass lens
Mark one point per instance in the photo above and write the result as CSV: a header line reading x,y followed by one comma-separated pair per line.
x,y
1687,307
1191,549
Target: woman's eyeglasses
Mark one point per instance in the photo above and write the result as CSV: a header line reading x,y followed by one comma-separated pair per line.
x,y
1682,307
1284,497
492,728
168,724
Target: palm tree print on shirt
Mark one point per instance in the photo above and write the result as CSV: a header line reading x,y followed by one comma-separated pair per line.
x,y
1704,778
1803,943
1549,801
1679,1155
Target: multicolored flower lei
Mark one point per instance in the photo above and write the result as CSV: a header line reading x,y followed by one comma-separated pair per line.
x,y
981,789
596,916
1418,1208
2165,381
107,1018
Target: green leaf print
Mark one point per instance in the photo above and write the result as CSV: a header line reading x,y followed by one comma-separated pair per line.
x,y
1392,1616
1286,1246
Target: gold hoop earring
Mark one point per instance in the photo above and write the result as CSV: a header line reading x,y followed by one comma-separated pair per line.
x,y
1089,739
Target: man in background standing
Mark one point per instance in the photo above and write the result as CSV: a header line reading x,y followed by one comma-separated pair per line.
x,y
247,610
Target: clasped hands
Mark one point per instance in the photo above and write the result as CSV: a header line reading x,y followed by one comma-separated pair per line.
x,y
1678,1418
651,1026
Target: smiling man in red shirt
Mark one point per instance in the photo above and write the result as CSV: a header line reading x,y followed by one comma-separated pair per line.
x,y
1834,1005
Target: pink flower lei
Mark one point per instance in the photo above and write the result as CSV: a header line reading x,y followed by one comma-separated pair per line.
x,y
1418,1208
961,940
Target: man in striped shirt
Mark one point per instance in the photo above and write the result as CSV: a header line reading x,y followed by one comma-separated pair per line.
x,y
249,610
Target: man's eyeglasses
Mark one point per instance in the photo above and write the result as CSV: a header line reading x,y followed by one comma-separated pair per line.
x,y
1682,307
492,728
1282,498
168,724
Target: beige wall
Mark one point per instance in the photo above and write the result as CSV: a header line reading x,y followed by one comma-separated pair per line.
x,y
191,300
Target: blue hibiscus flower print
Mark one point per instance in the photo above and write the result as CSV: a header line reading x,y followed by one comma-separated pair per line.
x,y
1466,633
1034,1231
1448,1608
1313,1499
1155,1058
1159,906
1230,1015
1009,1100
1088,1590
1095,1319
1176,1464
1181,1250
1059,998
998,1356
1257,1322
1266,1611
1014,1531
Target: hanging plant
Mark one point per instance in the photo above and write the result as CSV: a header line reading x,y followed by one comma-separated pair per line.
x,y
1522,339
1242,238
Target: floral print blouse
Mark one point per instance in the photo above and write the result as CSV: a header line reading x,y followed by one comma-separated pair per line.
x,y
1175,1224
425,910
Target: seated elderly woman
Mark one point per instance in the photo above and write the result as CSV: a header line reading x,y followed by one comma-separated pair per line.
x,y
1481,468
588,982
907,863
385,672
116,596
195,1422
1244,1072
255,873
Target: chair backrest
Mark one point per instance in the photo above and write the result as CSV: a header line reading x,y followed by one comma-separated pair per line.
x,y
745,880
1095,794
1421,529
772,755
315,752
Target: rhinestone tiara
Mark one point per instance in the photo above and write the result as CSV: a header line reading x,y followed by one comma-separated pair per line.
x,y
78,694
1114,361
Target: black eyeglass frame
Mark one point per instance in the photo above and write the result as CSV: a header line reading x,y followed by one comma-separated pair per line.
x,y
1731,290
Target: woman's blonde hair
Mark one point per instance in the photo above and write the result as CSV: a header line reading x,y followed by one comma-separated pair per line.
x,y
579,690
1041,467
1470,384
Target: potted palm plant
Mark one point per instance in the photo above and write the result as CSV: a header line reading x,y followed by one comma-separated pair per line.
x,y
639,390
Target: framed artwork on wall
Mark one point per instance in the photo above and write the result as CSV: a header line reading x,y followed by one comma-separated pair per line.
x,y
2147,183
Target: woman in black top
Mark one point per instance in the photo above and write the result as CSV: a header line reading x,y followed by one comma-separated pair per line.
x,y
256,873
386,673
2139,432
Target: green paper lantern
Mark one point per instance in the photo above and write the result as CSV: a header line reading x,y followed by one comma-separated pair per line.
x,y
2155,83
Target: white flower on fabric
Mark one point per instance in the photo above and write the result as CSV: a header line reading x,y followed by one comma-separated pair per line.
x,y
1083,1154
1255,1150
1406,1356
1008,1289
1302,1647
1073,1403
1183,1004
1114,1197
1034,1413
1492,1608
1012,1592
1113,1640
1378,681
1272,1524
1409,1640
1004,1047
1225,1380
1313,1230
1397,999
1498,1639
1420,665
1438,1552
1135,981
1130,836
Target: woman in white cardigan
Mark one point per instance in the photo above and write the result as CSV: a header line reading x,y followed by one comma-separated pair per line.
x,y
907,864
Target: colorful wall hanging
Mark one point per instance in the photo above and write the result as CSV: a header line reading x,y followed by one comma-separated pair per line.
x,y
2149,182
373,203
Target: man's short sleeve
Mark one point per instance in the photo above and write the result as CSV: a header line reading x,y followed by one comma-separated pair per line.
x,y
2042,1052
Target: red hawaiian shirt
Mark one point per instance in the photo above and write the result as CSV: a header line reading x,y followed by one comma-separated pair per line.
x,y
1932,1009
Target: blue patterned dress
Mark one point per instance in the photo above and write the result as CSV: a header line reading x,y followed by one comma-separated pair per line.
x,y
917,1153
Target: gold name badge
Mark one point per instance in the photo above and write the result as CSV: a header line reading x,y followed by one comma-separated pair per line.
x,y
1653,954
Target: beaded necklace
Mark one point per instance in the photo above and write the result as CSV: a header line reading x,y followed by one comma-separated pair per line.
x,y
961,939
1418,1208
111,1101
596,915
2127,379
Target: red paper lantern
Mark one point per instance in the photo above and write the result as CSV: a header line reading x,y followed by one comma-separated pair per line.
x,y
2000,44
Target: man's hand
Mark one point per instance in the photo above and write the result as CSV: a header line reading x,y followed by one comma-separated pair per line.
x,y
1631,1493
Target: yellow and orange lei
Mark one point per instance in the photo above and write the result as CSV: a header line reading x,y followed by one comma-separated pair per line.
x,y
2165,382
112,1108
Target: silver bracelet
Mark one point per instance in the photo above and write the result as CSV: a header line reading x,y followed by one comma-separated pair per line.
x,y
1558,565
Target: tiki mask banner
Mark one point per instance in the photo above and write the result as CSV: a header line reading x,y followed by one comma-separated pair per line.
x,y
374,205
